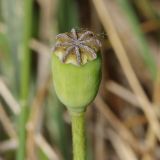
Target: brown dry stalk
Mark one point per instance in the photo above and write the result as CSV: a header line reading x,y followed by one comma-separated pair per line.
x,y
7,124
104,109
122,92
48,150
123,150
47,11
100,151
40,142
131,98
9,99
34,118
8,145
127,95
150,137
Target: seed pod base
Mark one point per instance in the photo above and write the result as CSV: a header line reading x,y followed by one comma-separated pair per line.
x,y
76,86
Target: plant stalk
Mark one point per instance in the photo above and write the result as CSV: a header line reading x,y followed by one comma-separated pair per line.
x,y
25,76
79,137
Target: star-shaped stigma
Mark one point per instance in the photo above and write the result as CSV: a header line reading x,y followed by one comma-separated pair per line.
x,y
78,43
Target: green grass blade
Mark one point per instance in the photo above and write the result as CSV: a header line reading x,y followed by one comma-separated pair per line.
x,y
13,26
67,15
25,76
142,42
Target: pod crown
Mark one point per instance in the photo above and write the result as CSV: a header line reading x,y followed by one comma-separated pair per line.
x,y
77,47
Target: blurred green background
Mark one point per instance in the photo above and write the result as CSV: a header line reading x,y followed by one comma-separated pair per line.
x,y
123,122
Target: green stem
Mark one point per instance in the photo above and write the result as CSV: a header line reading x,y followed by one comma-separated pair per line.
x,y
79,138
22,133
25,76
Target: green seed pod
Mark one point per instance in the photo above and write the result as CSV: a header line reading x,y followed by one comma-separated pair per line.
x,y
76,69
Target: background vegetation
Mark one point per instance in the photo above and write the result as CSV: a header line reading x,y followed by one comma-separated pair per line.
x,y
123,122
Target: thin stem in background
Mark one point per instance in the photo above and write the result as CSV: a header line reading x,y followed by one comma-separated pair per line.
x,y
9,99
140,37
124,132
121,147
34,119
6,122
25,74
47,149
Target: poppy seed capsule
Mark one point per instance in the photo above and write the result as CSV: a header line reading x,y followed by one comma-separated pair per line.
x,y
76,69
